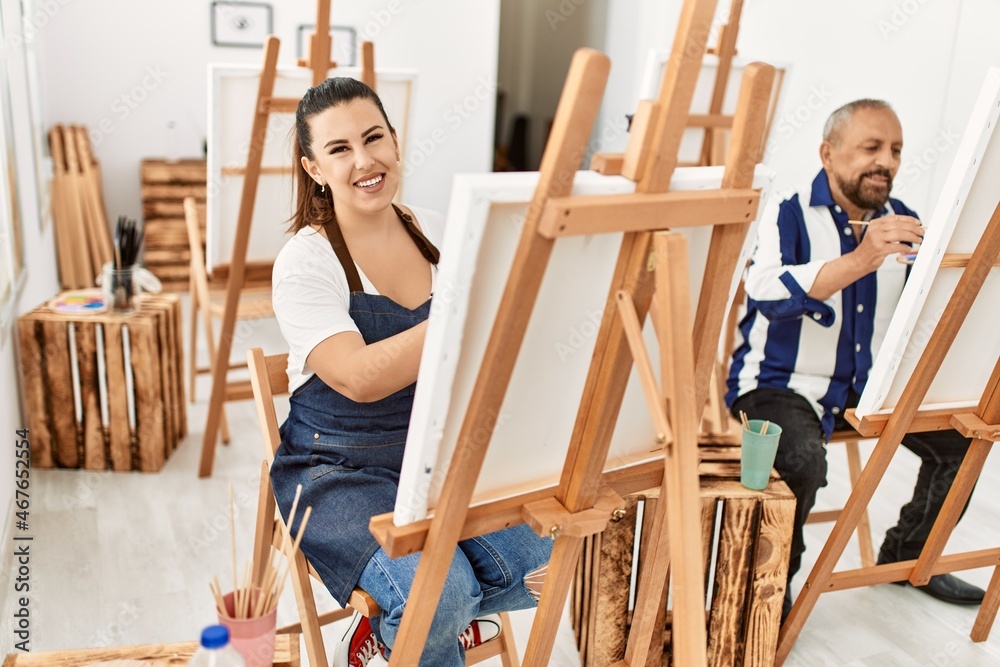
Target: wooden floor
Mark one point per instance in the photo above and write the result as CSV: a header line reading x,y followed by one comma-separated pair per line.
x,y
123,559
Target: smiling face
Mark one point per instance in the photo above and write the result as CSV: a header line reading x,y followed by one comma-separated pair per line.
x,y
355,156
862,157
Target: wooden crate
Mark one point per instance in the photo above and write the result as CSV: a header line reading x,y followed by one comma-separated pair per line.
x,y
286,654
104,391
746,537
164,186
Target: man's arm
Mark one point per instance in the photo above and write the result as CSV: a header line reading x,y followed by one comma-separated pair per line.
x,y
886,236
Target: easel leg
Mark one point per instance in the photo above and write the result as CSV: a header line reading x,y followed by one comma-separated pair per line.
x,y
676,525
864,530
951,511
237,269
988,611
562,568
862,494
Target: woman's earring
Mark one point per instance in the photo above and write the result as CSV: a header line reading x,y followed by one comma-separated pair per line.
x,y
323,189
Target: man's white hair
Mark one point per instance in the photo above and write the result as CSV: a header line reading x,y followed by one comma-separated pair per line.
x,y
842,115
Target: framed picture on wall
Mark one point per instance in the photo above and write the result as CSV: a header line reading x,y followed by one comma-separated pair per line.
x,y
343,43
240,23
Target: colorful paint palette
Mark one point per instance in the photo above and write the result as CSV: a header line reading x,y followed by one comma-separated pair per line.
x,y
79,302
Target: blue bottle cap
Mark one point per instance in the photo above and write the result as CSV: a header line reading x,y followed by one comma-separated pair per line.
x,y
215,636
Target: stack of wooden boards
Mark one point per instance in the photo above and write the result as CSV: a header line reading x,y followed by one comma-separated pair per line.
x,y
164,187
83,239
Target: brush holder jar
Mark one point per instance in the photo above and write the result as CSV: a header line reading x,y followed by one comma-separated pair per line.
x,y
120,289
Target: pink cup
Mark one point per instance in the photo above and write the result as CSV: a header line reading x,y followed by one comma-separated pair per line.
x,y
253,638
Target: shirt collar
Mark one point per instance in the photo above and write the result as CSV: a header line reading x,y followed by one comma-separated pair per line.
x,y
821,195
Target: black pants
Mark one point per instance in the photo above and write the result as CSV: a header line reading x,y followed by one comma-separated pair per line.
x,y
801,461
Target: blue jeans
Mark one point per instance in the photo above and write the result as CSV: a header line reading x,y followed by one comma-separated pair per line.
x,y
486,577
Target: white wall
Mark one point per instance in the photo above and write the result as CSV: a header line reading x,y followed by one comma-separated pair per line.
x,y
40,281
927,59
136,66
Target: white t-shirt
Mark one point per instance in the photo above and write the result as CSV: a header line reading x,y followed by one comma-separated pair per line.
x,y
310,293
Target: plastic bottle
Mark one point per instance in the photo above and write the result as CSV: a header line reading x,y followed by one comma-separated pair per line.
x,y
215,650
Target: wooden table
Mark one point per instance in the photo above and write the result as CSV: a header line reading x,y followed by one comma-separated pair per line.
x,y
746,537
104,391
286,654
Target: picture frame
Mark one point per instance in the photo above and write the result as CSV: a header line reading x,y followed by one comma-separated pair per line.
x,y
343,43
241,24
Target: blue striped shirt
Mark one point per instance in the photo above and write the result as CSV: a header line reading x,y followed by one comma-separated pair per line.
x,y
818,349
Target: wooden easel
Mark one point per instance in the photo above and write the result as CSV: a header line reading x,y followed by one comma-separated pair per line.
x,y
982,424
717,425
319,62
585,498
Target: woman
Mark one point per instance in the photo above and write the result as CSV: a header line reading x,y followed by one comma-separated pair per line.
x,y
352,292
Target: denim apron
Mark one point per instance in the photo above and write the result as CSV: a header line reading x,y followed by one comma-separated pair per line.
x,y
347,455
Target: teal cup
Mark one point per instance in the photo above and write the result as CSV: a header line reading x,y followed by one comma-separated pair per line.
x,y
757,454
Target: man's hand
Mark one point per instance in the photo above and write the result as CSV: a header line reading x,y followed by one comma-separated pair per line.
x,y
886,236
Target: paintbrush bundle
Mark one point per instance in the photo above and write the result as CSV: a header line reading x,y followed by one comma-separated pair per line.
x,y
254,597
83,240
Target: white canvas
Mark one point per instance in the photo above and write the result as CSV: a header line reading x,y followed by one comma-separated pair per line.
x,y
533,428
967,201
231,101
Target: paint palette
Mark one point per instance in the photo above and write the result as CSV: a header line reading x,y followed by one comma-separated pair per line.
x,y
79,302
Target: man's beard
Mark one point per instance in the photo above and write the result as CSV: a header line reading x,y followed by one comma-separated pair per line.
x,y
864,194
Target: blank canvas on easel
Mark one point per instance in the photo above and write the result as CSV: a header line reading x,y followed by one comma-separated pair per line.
x,y
535,424
964,207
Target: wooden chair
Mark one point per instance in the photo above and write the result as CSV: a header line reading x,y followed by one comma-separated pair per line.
x,y
268,379
256,305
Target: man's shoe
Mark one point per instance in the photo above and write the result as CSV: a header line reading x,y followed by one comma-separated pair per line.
x,y
951,589
359,647
481,630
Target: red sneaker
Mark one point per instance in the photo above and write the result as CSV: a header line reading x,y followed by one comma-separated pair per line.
x,y
481,630
359,647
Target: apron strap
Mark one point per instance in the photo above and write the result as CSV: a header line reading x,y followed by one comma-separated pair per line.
x,y
425,247
343,255
333,233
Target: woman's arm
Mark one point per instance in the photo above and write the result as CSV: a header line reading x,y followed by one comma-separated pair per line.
x,y
366,373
